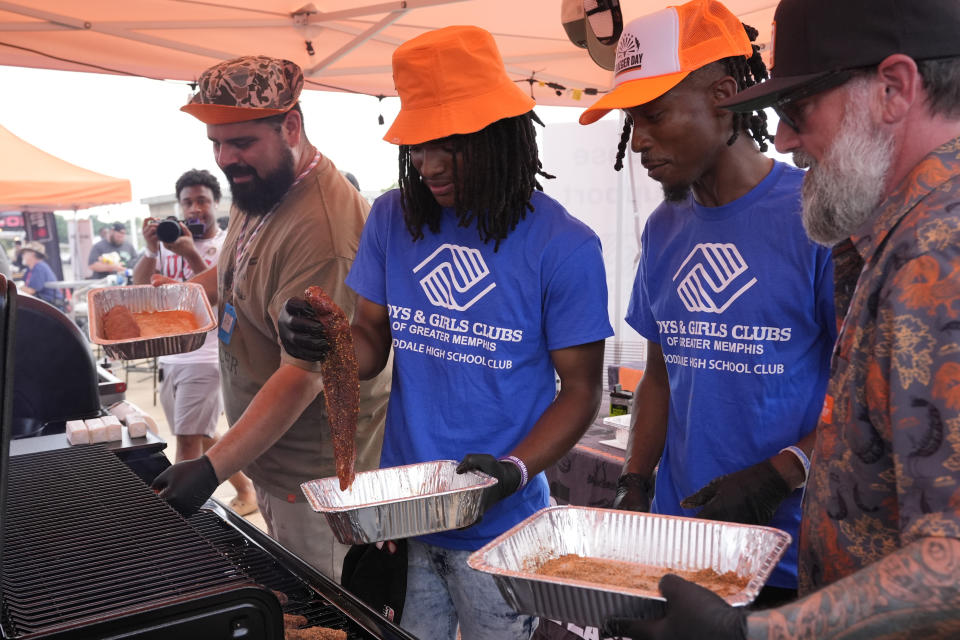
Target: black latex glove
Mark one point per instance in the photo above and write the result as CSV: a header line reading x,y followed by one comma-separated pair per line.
x,y
301,333
187,485
748,496
507,475
692,612
633,493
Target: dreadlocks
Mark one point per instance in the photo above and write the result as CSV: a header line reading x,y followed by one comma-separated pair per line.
x,y
501,164
747,72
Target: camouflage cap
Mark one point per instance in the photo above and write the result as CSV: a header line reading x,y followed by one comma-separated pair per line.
x,y
244,89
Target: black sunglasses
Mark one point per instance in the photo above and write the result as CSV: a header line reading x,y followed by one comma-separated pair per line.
x,y
786,106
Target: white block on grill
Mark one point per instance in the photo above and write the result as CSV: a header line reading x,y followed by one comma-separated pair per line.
x,y
122,409
114,429
133,410
77,432
151,423
136,425
98,430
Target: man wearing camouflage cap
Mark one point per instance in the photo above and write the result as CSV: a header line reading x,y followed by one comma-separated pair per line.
x,y
295,222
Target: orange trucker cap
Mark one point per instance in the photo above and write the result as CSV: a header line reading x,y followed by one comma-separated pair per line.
x,y
657,51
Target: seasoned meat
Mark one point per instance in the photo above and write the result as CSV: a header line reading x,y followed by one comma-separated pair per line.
x,y
281,596
119,324
638,576
293,621
314,633
165,323
341,383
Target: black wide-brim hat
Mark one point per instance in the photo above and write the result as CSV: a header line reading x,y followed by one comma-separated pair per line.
x,y
811,39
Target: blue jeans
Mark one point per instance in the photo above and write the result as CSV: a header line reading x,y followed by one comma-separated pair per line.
x,y
443,591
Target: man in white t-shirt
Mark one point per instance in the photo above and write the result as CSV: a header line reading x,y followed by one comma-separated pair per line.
x,y
190,382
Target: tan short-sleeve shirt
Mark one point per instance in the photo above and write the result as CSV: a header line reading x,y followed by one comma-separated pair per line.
x,y
309,239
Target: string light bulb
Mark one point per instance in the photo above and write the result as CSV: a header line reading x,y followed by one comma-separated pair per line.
x,y
559,89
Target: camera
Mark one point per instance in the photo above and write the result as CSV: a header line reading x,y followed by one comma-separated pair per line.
x,y
169,230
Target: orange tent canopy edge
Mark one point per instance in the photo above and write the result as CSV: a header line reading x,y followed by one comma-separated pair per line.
x,y
32,179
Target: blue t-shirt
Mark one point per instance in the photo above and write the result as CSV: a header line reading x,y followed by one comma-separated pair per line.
x,y
37,277
741,303
472,333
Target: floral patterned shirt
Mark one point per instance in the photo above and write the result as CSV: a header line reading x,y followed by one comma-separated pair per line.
x,y
886,467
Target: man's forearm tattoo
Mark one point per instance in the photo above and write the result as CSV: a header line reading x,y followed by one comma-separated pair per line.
x,y
912,593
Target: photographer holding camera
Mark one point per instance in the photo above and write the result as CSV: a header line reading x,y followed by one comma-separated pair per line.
x,y
179,249
176,250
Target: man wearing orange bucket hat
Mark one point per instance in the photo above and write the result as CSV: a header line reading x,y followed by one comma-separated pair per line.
x,y
483,286
295,222
734,300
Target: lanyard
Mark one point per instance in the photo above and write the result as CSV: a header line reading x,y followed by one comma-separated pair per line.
x,y
243,241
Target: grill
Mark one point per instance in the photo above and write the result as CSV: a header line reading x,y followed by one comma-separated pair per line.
x,y
310,594
87,542
265,569
88,551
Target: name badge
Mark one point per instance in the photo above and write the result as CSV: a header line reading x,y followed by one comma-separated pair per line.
x,y
228,323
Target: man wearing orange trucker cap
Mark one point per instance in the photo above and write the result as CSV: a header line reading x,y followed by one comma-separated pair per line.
x,y
295,222
734,300
483,286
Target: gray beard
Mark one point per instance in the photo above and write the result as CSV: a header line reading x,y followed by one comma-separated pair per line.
x,y
842,190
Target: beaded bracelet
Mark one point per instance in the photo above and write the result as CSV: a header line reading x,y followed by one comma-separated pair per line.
x,y
520,465
804,461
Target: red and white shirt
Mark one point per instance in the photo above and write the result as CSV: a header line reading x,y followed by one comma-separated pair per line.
x,y
175,266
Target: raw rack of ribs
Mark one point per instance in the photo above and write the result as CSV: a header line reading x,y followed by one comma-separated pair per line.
x,y
119,324
341,383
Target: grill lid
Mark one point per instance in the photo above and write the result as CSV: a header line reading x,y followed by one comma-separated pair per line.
x,y
86,540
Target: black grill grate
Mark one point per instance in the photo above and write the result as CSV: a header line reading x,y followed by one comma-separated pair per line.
x,y
264,568
85,540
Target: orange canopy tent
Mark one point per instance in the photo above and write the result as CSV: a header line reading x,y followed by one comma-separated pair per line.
x,y
34,180
342,45
36,183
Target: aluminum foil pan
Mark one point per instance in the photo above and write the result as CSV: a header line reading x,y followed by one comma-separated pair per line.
x,y
399,502
180,297
670,542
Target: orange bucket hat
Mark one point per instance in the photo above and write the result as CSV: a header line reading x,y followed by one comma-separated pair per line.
x,y
451,80
659,50
247,88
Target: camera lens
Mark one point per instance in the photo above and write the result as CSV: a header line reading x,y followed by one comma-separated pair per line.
x,y
168,230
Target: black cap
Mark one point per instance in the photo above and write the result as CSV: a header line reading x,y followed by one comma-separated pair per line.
x,y
119,226
812,38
